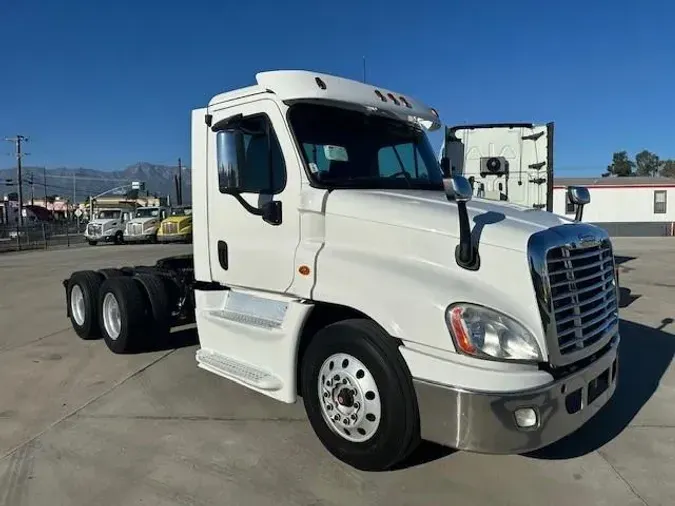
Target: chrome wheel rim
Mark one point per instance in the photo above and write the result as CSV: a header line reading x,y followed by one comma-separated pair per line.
x,y
112,320
77,304
349,398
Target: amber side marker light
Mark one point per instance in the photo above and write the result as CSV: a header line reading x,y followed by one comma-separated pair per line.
x,y
304,270
460,331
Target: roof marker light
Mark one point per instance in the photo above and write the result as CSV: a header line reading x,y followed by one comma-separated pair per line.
x,y
393,98
407,104
320,83
379,94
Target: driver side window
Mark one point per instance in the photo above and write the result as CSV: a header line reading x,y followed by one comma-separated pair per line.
x,y
259,148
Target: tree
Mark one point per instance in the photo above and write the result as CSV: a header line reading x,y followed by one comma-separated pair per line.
x,y
648,163
621,165
668,168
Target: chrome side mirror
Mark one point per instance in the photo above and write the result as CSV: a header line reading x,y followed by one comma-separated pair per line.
x,y
579,196
458,188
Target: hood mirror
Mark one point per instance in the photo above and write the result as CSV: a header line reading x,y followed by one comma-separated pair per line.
x,y
579,196
459,190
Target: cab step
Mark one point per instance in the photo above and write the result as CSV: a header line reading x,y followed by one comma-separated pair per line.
x,y
231,368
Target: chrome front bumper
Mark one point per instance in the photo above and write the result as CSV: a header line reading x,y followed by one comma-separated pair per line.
x,y
138,237
173,237
485,422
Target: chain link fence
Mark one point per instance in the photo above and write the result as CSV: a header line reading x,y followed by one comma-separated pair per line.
x,y
45,235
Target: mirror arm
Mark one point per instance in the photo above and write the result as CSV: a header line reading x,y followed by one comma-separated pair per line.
x,y
579,213
256,211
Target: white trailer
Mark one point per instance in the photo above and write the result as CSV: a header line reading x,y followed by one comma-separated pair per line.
x,y
504,161
333,261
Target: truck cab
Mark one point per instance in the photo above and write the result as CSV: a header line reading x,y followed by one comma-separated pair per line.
x,y
337,261
144,225
177,226
107,225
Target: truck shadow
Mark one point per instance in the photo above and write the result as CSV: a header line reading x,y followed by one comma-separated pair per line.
x,y
626,297
644,354
179,338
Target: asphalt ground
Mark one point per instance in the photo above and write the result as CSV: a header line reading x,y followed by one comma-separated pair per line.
x,y
81,426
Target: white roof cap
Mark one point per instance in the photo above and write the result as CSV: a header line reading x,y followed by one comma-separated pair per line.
x,y
303,85
294,85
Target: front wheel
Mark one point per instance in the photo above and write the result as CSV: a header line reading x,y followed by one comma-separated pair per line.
x,y
359,396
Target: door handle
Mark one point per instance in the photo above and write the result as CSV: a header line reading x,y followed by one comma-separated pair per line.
x,y
222,254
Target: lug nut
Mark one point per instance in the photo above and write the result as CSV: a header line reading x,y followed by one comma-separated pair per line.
x,y
354,417
346,421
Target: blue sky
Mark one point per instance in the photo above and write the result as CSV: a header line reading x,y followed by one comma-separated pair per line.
x,y
104,85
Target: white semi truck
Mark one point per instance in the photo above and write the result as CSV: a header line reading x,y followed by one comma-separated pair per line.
x,y
107,225
334,259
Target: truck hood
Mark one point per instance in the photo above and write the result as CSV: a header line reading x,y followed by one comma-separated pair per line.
x,y
144,221
105,223
176,219
500,224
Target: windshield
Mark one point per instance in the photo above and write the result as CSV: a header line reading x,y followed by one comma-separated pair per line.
x,y
109,214
147,213
352,149
181,211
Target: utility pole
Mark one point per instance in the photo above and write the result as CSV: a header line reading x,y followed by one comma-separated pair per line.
x,y
32,189
44,181
17,143
74,194
180,183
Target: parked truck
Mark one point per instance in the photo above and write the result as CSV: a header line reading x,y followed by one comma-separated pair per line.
x,y
143,227
510,162
107,225
177,227
335,259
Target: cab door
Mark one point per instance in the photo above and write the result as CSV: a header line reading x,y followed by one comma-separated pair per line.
x,y
254,231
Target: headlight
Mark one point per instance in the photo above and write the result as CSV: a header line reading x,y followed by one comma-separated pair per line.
x,y
485,333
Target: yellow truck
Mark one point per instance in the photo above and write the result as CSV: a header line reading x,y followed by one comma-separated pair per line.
x,y
177,227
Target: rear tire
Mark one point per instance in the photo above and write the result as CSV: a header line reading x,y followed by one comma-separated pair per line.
x,y
119,238
122,314
110,273
355,361
159,325
82,299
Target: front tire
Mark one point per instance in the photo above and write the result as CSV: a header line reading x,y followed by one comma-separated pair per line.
x,y
121,314
359,396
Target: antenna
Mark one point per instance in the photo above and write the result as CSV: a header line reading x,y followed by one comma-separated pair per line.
x,y
364,69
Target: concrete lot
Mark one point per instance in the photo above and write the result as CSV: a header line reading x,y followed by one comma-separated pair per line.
x,y
81,426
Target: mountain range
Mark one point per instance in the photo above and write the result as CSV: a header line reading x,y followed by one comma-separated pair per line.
x,y
82,182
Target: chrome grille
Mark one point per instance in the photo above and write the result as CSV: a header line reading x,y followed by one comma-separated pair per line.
x,y
93,229
583,294
170,228
134,228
